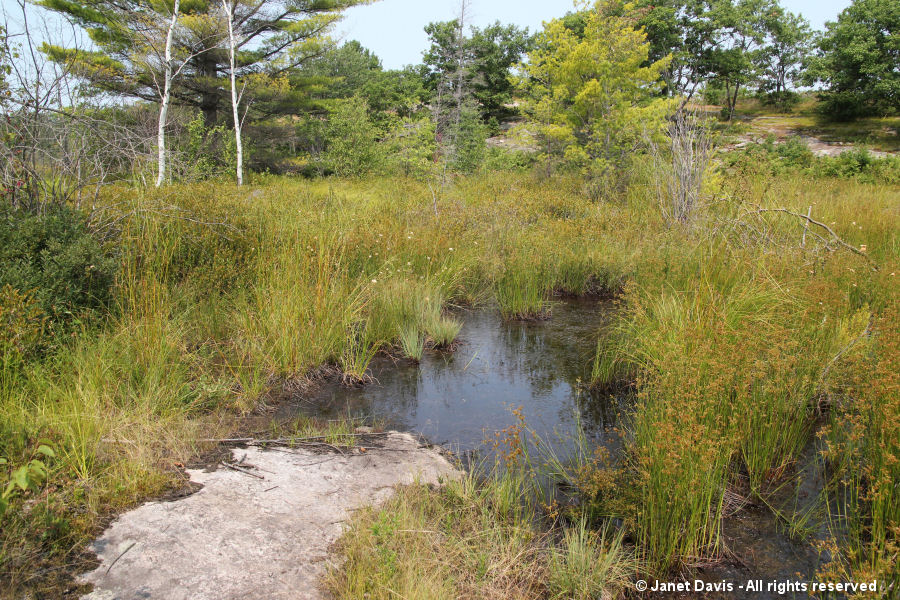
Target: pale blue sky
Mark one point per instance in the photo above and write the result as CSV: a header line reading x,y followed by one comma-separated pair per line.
x,y
393,29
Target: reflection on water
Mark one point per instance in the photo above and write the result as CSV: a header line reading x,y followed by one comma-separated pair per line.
x,y
459,399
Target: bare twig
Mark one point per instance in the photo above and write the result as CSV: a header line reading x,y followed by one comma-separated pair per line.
x,y
681,165
120,556
242,470
834,236
806,227
288,440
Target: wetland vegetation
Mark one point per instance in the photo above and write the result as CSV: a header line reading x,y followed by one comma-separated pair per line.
x,y
748,330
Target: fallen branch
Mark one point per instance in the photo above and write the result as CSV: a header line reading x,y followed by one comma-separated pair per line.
x,y
812,221
315,438
242,470
120,556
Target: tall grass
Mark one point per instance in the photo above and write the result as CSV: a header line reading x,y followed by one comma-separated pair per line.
x,y
728,344
725,332
224,295
475,538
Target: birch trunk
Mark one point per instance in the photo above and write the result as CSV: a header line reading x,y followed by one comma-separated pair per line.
x,y
229,11
164,101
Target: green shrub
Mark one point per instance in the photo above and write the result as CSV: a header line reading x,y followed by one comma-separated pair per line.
x,y
208,152
785,99
54,257
795,152
793,155
506,159
352,140
21,323
411,147
470,142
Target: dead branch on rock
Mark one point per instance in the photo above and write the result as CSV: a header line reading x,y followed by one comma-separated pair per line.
x,y
242,470
288,440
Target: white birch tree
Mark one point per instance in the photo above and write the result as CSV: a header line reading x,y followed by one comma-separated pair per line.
x,y
166,96
229,7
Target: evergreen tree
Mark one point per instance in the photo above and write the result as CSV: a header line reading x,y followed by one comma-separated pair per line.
x,y
274,37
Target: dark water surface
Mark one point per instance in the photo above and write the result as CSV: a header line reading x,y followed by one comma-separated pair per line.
x,y
460,399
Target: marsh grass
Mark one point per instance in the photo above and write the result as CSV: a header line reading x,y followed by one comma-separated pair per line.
x,y
523,293
443,331
412,344
728,345
476,537
587,565
725,332
225,295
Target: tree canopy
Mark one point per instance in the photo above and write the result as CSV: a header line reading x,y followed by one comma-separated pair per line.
x,y
593,96
858,61
274,36
489,55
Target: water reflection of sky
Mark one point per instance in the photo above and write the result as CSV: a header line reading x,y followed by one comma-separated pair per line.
x,y
460,399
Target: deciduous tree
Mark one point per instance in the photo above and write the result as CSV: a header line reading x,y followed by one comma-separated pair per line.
x,y
592,98
780,61
858,61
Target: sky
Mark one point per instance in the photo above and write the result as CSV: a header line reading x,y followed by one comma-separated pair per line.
x,y
393,29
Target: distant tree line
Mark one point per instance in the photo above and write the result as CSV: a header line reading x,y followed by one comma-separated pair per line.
x,y
223,82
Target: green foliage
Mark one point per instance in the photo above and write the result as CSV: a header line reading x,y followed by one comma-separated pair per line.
x,y
469,142
411,147
862,165
352,140
505,159
489,56
54,257
352,70
742,30
779,62
27,478
857,61
794,156
590,99
209,151
685,31
731,44
22,325
127,37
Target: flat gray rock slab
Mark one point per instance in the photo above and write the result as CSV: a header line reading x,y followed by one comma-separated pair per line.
x,y
244,538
